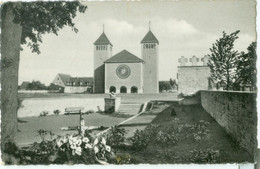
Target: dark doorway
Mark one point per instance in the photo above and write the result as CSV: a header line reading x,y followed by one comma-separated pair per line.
x,y
112,89
134,89
123,89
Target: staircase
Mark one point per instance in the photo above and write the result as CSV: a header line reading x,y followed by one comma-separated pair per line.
x,y
129,108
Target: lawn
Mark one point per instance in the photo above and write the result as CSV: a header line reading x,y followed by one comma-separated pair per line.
x,y
214,147
28,126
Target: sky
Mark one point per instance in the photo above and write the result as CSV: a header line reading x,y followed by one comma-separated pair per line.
x,y
183,28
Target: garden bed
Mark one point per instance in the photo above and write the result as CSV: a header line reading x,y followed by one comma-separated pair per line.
x,y
200,140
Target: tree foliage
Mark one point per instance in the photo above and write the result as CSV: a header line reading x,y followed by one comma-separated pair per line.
x,y
38,18
246,67
223,60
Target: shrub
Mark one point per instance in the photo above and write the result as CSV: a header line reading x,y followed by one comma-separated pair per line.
x,y
164,140
140,140
202,156
70,149
56,112
116,137
89,112
44,113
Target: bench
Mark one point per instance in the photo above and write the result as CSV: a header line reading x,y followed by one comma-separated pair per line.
x,y
73,110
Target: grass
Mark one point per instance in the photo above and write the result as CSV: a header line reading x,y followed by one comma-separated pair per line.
x,y
218,140
28,126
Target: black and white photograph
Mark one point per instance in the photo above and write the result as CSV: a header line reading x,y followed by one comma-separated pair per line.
x,y
129,82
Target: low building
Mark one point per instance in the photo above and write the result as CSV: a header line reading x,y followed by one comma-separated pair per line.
x,y
74,84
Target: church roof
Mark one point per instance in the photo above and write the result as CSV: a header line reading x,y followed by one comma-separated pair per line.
x,y
124,57
103,40
150,38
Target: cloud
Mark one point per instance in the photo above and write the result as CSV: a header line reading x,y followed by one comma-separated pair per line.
x,y
73,53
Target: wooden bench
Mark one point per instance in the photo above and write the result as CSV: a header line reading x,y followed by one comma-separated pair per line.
x,y
73,110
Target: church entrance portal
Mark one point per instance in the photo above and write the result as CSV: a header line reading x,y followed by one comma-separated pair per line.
x,y
112,89
134,89
123,89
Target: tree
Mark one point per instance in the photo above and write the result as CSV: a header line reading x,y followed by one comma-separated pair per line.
x,y
25,23
223,60
246,67
36,85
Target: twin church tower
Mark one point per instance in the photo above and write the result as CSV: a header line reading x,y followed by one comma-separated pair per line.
x,y
124,72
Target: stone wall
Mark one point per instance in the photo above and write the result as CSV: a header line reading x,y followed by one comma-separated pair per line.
x,y
192,79
236,113
34,106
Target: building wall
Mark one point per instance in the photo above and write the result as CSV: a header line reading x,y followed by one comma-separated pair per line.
x,y
134,79
192,78
57,81
236,113
99,75
76,89
150,69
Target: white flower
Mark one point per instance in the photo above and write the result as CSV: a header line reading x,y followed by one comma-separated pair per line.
x,y
88,146
108,148
95,141
103,141
59,142
78,142
96,149
85,140
73,146
78,150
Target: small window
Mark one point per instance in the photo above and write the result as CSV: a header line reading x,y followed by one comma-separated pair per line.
x,y
198,59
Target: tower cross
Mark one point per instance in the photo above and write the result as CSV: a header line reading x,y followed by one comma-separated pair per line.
x,y
103,27
149,25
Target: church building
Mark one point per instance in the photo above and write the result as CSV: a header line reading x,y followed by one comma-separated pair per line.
x,y
124,72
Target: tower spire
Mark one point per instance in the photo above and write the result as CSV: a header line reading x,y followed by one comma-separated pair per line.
x,y
149,25
103,28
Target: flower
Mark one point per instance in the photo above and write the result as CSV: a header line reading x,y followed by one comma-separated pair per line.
x,y
108,148
103,141
88,146
78,150
85,140
95,141
96,150
59,143
73,146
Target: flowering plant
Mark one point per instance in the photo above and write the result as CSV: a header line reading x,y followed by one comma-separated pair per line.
x,y
82,149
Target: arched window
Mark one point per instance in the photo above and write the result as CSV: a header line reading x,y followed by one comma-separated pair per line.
x,y
112,89
134,89
123,89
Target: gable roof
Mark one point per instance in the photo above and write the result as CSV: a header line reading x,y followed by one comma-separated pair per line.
x,y
103,40
124,57
64,78
150,38
68,80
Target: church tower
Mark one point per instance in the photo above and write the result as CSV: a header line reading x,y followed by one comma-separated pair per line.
x,y
102,51
149,50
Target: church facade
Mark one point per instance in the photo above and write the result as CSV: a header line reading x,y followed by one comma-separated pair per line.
x,y
124,72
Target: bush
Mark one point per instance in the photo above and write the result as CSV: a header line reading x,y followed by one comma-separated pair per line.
x,y
140,140
203,156
43,113
89,112
164,140
70,149
116,137
56,112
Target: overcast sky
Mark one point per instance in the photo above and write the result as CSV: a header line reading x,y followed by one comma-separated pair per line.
x,y
183,28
